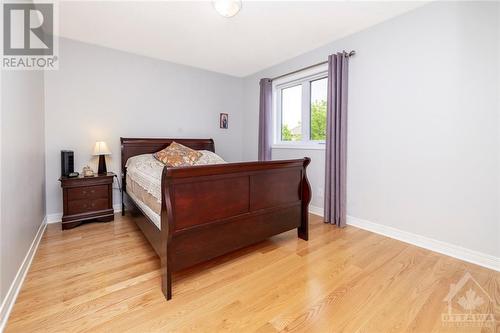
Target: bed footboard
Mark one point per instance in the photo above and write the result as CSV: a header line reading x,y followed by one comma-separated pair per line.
x,y
208,211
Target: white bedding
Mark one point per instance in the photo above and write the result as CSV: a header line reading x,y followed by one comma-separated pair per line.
x,y
146,172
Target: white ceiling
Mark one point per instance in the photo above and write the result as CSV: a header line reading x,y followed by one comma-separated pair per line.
x,y
193,33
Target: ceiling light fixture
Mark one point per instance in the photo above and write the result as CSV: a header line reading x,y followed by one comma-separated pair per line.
x,y
227,8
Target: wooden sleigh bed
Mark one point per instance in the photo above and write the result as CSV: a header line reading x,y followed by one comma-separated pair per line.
x,y
211,210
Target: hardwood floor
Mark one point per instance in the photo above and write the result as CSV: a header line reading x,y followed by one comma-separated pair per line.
x,y
106,278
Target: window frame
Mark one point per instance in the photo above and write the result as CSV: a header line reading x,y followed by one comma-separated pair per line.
x,y
303,79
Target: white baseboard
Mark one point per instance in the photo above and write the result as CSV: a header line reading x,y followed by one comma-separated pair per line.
x,y
15,287
54,218
57,217
455,251
316,210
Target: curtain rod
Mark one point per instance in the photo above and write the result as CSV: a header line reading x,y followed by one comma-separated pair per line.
x,y
350,54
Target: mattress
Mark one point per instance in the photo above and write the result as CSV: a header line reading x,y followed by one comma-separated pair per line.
x,y
148,203
144,181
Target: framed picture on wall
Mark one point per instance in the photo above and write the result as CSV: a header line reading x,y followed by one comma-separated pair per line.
x,y
224,120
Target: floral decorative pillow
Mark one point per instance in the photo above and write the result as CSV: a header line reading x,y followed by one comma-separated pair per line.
x,y
176,155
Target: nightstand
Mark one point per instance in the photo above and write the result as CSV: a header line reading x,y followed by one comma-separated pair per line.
x,y
87,199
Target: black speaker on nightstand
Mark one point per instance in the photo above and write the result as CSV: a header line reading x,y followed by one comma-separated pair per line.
x,y
67,162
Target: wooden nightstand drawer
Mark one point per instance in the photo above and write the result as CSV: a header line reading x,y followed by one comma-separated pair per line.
x,y
89,192
87,205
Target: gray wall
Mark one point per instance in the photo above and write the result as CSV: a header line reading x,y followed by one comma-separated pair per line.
x,y
423,152
104,94
22,170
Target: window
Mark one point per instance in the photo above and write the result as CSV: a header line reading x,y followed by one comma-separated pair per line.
x,y
291,114
300,110
318,109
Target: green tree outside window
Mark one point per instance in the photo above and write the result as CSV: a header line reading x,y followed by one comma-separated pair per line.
x,y
318,120
288,135
318,124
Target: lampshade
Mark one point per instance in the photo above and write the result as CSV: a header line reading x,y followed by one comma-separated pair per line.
x,y
227,8
101,148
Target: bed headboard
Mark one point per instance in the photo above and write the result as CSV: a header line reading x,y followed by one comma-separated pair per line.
x,y
137,146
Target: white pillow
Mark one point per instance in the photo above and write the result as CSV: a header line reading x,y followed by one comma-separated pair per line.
x,y
208,157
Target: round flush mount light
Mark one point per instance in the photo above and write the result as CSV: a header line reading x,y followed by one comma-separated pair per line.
x,y
227,8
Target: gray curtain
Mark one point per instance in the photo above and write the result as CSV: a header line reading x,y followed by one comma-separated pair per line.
x,y
265,120
336,140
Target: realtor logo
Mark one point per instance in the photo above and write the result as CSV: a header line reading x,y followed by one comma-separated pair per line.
x,y
469,305
28,36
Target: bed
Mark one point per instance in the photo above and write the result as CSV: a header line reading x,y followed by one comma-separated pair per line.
x,y
209,210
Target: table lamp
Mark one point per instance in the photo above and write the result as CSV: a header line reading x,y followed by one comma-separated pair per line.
x,y
100,150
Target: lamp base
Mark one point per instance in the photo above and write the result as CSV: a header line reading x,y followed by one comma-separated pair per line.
x,y
102,165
